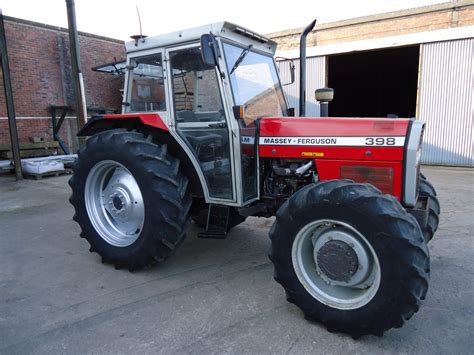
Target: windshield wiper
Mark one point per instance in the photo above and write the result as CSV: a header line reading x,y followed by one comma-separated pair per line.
x,y
241,58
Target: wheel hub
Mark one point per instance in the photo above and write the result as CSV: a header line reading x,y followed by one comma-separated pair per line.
x,y
341,258
118,201
119,204
337,260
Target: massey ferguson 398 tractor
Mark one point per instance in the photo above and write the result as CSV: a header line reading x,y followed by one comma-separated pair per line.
x,y
206,134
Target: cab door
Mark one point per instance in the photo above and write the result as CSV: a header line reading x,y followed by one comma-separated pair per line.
x,y
199,119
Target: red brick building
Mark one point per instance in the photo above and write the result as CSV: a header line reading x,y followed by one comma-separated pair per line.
x,y
40,72
422,19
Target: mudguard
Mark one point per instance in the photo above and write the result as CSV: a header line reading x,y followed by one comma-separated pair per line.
x,y
101,123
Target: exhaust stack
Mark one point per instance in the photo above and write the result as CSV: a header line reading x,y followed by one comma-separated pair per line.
x,y
303,67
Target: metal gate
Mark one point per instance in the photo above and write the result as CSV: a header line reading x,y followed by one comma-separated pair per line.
x,y
316,78
446,102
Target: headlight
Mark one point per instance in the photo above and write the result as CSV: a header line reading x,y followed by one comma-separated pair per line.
x,y
412,164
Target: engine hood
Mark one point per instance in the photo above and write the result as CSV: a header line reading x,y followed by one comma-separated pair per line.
x,y
378,139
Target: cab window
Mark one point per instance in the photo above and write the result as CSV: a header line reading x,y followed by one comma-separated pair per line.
x,y
146,84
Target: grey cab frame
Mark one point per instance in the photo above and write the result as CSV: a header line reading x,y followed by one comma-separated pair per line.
x,y
225,91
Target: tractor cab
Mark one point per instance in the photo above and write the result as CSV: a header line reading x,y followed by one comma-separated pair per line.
x,y
198,99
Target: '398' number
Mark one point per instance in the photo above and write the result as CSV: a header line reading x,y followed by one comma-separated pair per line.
x,y
380,141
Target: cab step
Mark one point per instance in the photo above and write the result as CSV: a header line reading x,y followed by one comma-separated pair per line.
x,y
217,222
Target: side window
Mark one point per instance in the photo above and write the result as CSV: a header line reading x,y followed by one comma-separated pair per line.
x,y
146,85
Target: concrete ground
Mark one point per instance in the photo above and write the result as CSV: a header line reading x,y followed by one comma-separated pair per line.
x,y
212,296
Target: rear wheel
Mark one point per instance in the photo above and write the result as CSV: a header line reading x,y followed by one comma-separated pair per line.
x,y
131,200
426,189
350,257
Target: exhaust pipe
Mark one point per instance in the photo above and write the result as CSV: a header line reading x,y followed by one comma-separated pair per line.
x,y
303,68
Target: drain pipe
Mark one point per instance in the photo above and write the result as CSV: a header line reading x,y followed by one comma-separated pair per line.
x,y
81,110
303,67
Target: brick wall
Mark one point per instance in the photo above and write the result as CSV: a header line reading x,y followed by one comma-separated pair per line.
x,y
40,71
26,128
398,23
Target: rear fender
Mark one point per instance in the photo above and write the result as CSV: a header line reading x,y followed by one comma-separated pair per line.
x,y
154,125
130,121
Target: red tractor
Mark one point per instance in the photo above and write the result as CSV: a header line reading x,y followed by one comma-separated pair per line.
x,y
206,134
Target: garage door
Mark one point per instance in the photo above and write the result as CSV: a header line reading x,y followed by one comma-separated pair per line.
x,y
446,102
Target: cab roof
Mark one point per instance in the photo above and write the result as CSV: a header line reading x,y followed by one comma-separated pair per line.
x,y
220,29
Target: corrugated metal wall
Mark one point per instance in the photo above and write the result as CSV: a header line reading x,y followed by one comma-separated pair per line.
x,y
446,102
315,79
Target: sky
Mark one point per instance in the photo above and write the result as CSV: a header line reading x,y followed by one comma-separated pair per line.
x,y
118,18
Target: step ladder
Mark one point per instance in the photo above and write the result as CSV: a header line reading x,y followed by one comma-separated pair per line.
x,y
217,222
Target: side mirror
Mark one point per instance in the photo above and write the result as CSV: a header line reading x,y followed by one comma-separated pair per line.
x,y
209,50
292,72
291,68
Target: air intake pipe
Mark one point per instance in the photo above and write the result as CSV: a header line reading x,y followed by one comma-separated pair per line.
x,y
303,67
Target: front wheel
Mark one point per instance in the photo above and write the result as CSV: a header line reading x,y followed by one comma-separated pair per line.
x,y
350,257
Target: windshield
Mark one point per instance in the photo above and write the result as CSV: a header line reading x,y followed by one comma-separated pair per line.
x,y
255,83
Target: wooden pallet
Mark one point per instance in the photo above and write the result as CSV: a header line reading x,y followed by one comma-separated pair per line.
x,y
28,150
48,174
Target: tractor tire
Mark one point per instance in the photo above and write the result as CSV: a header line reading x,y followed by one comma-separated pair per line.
x,y
130,199
350,257
426,189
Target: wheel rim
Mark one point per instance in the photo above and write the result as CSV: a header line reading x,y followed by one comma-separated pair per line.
x,y
336,264
114,203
